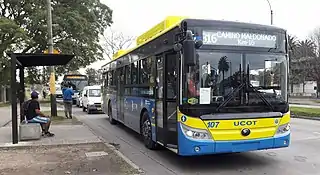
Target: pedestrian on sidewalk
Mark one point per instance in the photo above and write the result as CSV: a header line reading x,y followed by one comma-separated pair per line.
x,y
34,115
67,100
44,93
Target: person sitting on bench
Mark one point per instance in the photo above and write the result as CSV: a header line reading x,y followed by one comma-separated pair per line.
x,y
34,115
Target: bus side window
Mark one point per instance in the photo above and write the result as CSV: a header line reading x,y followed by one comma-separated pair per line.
x,y
134,73
113,78
145,70
171,63
128,74
110,78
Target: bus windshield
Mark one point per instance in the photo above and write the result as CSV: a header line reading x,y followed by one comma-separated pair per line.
x,y
219,75
77,81
77,85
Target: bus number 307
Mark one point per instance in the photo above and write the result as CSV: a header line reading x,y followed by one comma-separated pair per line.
x,y
213,124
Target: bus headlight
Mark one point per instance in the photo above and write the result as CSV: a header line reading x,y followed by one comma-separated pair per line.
x,y
283,128
198,134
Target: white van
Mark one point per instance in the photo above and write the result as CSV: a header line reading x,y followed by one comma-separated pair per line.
x,y
91,98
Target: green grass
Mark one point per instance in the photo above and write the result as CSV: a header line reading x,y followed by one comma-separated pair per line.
x,y
60,115
45,101
310,112
61,119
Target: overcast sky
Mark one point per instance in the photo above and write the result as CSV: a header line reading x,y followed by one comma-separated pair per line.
x,y
133,17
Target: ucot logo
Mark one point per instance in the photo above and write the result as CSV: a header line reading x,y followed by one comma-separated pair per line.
x,y
245,123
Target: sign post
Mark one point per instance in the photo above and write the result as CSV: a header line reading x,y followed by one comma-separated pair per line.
x,y
52,83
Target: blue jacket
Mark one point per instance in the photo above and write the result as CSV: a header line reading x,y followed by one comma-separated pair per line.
x,y
67,94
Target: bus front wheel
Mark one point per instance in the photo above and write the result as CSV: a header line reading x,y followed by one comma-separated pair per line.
x,y
147,132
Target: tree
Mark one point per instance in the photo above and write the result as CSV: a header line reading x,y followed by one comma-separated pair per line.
x,y
76,30
114,41
293,64
315,37
92,76
99,76
33,77
223,65
11,36
306,48
315,68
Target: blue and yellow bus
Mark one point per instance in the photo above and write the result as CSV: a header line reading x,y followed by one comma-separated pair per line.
x,y
201,87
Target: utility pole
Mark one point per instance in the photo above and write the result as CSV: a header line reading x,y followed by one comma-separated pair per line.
x,y
271,12
51,68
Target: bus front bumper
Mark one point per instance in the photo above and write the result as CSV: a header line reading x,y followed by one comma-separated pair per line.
x,y
190,147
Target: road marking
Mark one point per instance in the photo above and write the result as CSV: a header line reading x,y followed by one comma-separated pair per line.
x,y
317,133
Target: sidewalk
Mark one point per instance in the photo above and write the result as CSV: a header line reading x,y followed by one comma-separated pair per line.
x,y
73,150
64,134
5,113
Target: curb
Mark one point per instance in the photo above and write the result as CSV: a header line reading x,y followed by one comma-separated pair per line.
x,y
113,148
295,103
26,144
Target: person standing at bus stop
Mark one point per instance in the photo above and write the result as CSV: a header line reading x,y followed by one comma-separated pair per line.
x,y
67,100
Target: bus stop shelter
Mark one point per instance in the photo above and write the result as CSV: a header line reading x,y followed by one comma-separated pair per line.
x,y
21,61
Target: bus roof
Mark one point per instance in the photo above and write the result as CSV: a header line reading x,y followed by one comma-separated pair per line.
x,y
153,33
173,21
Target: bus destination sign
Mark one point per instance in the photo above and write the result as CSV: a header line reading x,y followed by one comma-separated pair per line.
x,y
227,38
75,77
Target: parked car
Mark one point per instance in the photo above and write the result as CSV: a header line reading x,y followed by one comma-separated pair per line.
x,y
79,100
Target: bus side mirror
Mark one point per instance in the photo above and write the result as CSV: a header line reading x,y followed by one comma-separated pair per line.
x,y
85,95
188,49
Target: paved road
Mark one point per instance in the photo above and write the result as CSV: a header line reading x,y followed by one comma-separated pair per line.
x,y
301,158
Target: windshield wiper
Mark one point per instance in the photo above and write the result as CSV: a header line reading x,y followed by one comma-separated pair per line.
x,y
245,84
262,97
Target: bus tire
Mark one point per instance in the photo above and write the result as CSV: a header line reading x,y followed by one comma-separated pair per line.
x,y
111,120
146,132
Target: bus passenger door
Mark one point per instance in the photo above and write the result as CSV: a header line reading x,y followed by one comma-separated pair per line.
x,y
120,94
170,92
166,96
160,132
